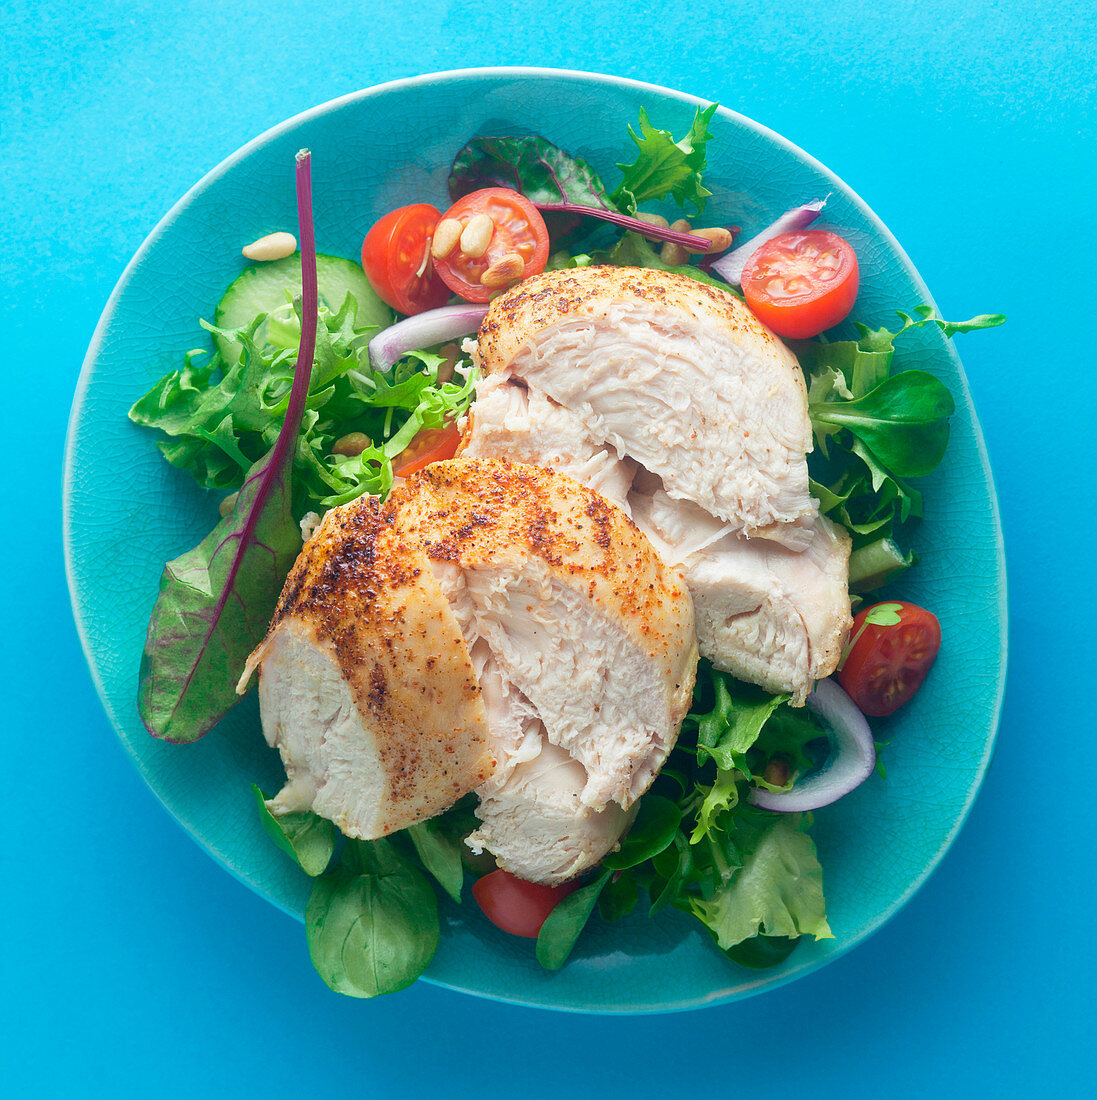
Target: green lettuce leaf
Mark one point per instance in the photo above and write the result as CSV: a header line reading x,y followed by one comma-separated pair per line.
x,y
664,167
777,890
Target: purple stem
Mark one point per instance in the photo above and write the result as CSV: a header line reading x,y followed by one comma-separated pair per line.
x,y
637,225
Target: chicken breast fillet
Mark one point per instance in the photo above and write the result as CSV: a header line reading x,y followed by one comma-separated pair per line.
x,y
365,684
766,613
677,375
493,627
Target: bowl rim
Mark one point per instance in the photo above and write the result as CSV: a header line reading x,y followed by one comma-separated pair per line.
x,y
535,73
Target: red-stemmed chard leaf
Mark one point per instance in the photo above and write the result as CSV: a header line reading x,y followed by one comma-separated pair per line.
x,y
554,181
216,600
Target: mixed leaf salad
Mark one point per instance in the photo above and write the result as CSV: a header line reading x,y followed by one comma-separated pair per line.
x,y
286,414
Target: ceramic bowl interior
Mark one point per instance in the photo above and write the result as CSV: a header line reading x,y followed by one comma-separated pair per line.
x,y
127,511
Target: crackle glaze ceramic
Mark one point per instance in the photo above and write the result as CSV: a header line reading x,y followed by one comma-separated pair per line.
x,y
127,511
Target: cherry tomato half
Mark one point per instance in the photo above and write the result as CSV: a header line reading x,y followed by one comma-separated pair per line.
x,y
396,259
519,230
887,663
517,906
432,445
801,283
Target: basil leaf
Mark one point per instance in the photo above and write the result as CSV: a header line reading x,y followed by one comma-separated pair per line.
x,y
307,838
563,925
371,921
656,822
441,855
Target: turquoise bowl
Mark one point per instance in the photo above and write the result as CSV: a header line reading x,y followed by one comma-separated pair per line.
x,y
127,511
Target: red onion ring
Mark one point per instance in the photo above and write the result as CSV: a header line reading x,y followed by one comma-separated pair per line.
x,y
851,761
730,265
424,330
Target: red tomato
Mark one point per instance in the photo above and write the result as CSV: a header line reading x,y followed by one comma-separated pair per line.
x,y
801,283
887,664
517,906
396,260
432,445
519,230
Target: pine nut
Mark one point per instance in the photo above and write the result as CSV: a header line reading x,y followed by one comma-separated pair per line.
x,y
351,444
672,253
446,235
476,236
654,219
504,271
226,506
274,246
719,238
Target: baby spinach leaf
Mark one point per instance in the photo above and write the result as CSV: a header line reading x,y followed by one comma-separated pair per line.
x,y
619,896
371,921
561,930
441,855
307,838
762,952
903,421
656,823
216,600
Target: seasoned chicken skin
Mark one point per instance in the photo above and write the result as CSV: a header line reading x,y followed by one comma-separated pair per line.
x,y
494,627
677,375
365,684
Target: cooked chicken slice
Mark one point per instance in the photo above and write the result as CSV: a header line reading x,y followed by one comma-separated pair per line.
x,y
521,425
575,606
767,614
537,825
365,684
487,620
675,374
773,616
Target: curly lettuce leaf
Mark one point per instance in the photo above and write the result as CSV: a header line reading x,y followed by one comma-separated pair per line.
x,y
776,889
664,167
221,418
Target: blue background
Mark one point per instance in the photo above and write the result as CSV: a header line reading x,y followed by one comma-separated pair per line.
x,y
132,964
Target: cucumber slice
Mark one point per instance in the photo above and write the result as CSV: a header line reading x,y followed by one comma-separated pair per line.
x,y
264,289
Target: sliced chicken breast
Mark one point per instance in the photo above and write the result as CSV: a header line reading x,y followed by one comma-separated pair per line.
x,y
513,422
492,627
575,606
767,614
365,684
675,374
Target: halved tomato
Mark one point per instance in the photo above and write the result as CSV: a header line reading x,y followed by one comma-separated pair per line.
x,y
890,656
515,905
396,259
801,283
432,445
517,230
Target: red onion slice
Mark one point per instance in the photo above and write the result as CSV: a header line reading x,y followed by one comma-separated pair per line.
x,y
424,330
730,265
852,756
